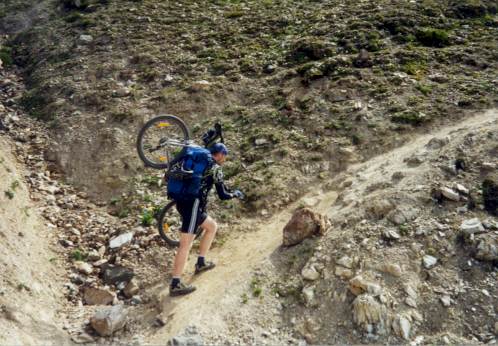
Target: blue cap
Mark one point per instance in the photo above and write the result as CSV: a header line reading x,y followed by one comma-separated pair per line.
x,y
218,148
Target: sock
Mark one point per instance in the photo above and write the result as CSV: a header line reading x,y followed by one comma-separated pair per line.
x,y
175,282
200,261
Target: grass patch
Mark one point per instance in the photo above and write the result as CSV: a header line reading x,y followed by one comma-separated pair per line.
x,y
424,89
78,255
9,194
410,117
147,217
6,56
431,37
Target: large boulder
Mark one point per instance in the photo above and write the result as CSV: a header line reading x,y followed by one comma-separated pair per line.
x,y
303,224
108,320
490,196
97,296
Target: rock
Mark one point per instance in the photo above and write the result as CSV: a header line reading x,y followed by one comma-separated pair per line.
x,y
402,327
411,302
462,189
106,321
367,311
437,143
97,296
496,328
310,273
303,224
93,256
136,300
131,289
445,300
114,274
412,293
363,59
390,234
471,226
392,268
86,38
490,196
121,240
343,273
450,194
487,248
403,214
189,337
83,338
358,285
201,85
260,141
429,261
76,279
438,78
309,295
83,267
345,261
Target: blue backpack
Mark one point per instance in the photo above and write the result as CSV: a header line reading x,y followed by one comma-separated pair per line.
x,y
186,173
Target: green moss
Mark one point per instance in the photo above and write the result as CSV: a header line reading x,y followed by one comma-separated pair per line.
x,y
431,37
6,56
424,89
410,117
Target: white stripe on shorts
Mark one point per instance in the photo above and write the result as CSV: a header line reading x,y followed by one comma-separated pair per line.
x,y
193,217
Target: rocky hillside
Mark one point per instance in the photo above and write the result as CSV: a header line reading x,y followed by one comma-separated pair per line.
x,y
300,86
373,114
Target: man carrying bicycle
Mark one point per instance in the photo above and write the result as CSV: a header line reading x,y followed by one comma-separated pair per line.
x,y
194,215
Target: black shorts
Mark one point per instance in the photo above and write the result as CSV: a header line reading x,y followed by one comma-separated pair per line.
x,y
192,214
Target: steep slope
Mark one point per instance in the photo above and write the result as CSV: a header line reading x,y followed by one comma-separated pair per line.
x,y
30,280
257,293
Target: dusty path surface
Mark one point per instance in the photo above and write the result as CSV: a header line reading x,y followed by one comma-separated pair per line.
x,y
218,292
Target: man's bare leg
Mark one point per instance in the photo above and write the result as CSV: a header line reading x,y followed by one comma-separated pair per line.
x,y
186,240
209,226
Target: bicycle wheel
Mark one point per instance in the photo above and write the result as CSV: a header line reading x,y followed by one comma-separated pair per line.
x,y
160,139
169,223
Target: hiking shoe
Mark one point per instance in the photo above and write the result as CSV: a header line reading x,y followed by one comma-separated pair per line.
x,y
181,289
207,266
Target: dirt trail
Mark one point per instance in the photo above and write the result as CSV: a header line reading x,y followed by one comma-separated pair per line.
x,y
219,291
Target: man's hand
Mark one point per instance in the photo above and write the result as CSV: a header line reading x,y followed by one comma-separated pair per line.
x,y
238,194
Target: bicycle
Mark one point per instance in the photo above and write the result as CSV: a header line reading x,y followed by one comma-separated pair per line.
x,y
171,136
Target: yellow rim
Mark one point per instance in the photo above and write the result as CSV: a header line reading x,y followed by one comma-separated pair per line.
x,y
162,124
163,158
165,227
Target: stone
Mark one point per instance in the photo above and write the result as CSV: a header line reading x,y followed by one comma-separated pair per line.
x,y
189,337
390,234
411,302
83,267
429,261
437,143
106,321
343,273
402,327
358,285
97,296
121,240
363,59
309,295
462,189
367,311
490,196
310,273
392,268
260,141
487,248
201,85
83,338
410,291
403,214
93,256
86,38
445,300
450,194
303,224
345,261
131,289
113,274
471,226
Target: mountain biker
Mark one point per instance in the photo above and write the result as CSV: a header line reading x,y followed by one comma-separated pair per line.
x,y
193,213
